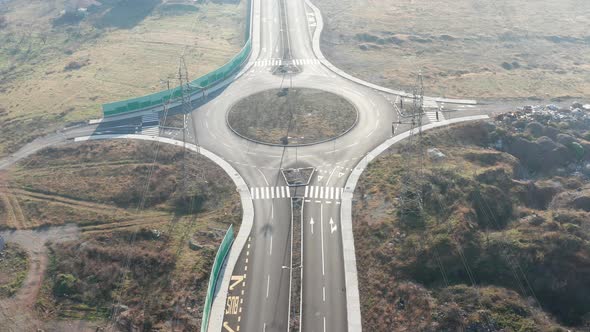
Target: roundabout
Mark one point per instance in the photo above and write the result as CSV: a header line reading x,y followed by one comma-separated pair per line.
x,y
292,117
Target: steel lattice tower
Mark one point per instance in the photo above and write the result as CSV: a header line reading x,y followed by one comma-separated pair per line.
x,y
413,156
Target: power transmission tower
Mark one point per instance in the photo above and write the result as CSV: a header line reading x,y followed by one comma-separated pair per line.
x,y
413,156
186,108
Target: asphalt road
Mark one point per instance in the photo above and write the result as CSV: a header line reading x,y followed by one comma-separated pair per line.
x,y
258,296
259,299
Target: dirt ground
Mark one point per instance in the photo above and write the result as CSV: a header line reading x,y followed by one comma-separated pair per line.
x,y
15,312
464,48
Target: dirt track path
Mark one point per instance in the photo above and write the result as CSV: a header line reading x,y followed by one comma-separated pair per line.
x,y
16,312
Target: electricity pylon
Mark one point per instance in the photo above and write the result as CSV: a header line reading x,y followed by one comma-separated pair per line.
x,y
413,156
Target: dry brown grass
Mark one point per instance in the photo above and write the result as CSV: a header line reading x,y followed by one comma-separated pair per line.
x,y
38,94
306,115
99,183
460,46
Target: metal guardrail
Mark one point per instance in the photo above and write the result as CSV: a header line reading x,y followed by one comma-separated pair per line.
x,y
222,252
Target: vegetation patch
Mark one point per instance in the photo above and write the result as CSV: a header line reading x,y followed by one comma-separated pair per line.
x,y
144,253
503,241
101,183
292,116
14,264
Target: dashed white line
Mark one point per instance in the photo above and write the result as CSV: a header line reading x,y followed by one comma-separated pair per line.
x,y
267,286
270,249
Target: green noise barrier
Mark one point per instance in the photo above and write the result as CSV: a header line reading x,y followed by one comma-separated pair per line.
x,y
222,252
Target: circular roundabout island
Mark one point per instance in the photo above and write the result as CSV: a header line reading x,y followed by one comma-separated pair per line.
x,y
292,117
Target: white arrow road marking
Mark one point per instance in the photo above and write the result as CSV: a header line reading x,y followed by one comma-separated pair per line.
x,y
227,328
320,177
333,227
311,223
340,174
237,280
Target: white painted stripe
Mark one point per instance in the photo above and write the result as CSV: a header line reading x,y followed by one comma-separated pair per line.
x,y
306,191
331,192
311,192
321,192
267,189
272,192
256,193
282,192
262,193
252,192
288,192
337,193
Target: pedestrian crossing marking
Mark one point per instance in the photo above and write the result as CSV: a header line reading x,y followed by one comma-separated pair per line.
x,y
432,116
317,192
150,124
150,130
278,62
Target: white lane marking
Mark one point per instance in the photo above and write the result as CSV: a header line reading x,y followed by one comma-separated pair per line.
x,y
267,286
272,192
331,192
270,249
267,189
331,173
264,177
262,193
288,193
321,192
324,323
311,224
337,193
322,235
272,211
252,190
324,293
256,193
306,191
282,192
264,328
